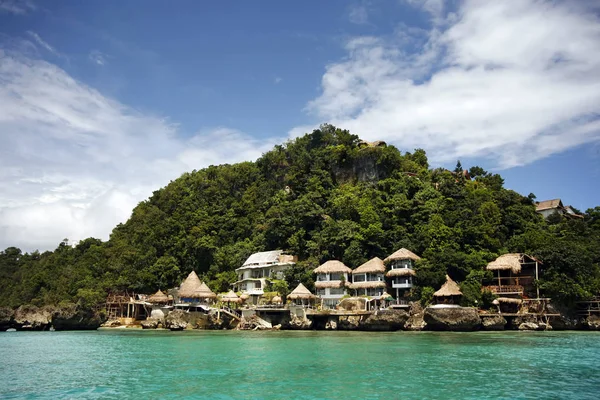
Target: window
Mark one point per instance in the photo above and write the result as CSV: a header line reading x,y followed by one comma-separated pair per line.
x,y
321,292
335,277
359,278
336,291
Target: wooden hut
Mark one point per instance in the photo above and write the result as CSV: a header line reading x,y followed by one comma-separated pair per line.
x,y
368,279
231,298
160,298
332,280
449,293
301,296
192,290
515,275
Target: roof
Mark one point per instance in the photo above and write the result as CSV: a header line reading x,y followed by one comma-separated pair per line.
x,y
400,272
367,285
265,258
332,266
189,287
231,297
510,261
450,288
159,297
402,254
301,292
329,284
374,265
548,204
204,292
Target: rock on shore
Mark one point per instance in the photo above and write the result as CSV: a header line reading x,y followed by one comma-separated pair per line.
x,y
177,320
385,320
495,323
415,321
33,318
452,319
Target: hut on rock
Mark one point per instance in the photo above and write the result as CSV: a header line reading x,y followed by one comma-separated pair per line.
x,y
449,293
301,296
515,275
368,279
192,290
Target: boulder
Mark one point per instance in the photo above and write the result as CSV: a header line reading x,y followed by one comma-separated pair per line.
x,y
542,326
150,323
33,318
296,323
452,319
177,320
415,320
349,323
495,323
529,326
112,323
593,323
331,324
6,318
562,323
385,320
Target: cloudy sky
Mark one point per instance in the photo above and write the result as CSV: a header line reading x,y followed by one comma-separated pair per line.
x,y
102,102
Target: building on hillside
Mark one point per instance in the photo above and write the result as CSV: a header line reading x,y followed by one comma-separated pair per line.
x,y
555,206
260,268
401,272
332,281
368,279
516,274
449,293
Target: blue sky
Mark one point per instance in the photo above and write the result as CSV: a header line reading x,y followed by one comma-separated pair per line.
x,y
103,102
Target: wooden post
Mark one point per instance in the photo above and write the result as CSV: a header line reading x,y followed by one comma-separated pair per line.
x,y
537,288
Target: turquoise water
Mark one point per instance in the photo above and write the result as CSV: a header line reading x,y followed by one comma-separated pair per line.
x,y
299,365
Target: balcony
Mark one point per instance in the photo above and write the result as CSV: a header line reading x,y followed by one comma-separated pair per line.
x,y
401,285
506,289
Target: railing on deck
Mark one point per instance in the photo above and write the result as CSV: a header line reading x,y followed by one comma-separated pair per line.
x,y
505,289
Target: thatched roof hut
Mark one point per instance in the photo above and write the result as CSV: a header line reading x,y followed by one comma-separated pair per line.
x,y
400,272
231,297
190,286
402,254
332,266
373,266
367,285
448,289
510,261
204,292
301,292
159,297
509,300
330,284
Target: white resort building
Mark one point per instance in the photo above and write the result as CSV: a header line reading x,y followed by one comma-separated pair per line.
x,y
258,269
332,280
368,279
401,271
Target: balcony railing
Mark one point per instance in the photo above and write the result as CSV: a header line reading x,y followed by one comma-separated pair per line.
x,y
505,289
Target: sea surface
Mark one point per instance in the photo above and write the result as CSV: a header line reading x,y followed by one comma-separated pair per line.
x,y
123,364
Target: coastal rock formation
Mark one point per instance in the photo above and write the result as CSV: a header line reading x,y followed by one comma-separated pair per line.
x,y
331,324
112,323
73,317
562,323
150,323
385,320
593,323
415,321
6,318
529,326
349,322
177,320
495,323
452,319
33,318
296,323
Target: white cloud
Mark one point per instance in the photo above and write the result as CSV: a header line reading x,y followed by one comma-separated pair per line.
x,y
17,6
510,81
43,43
278,80
358,14
97,57
73,163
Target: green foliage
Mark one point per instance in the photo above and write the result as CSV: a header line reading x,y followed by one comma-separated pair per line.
x,y
427,295
321,196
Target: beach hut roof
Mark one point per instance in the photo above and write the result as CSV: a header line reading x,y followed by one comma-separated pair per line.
x,y
510,261
159,297
330,284
402,254
301,292
373,266
400,272
231,297
332,266
204,292
509,300
190,286
367,285
450,288
244,296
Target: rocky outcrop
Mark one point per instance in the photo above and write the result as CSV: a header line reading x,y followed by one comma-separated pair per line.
x,y
73,317
296,323
331,324
349,323
112,323
415,321
495,323
6,318
452,319
33,318
177,320
529,326
150,323
562,323
385,320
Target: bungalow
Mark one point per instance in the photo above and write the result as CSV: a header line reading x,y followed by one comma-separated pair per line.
x,y
555,206
193,291
449,293
401,271
332,280
368,279
516,274
258,269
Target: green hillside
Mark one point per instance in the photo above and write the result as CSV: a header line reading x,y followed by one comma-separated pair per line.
x,y
323,196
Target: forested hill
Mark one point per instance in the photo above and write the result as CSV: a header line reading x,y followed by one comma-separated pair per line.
x,y
326,195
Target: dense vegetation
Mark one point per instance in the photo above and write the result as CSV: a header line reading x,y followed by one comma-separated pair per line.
x,y
322,196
